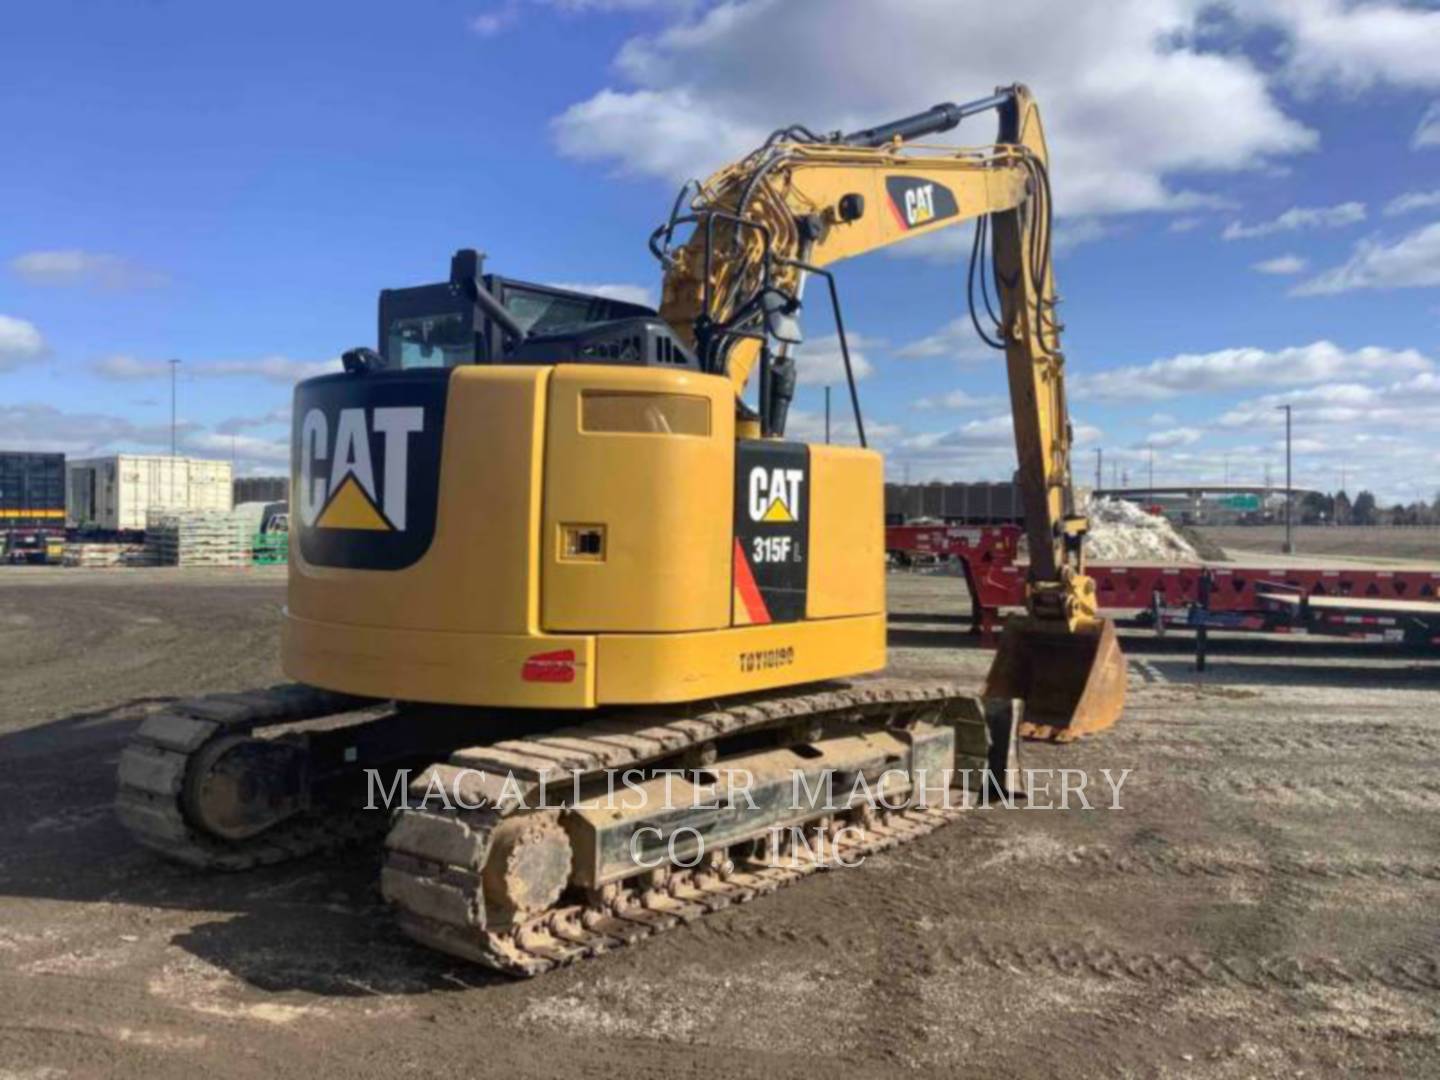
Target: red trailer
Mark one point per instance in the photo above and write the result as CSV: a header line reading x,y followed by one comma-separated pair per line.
x,y
1365,603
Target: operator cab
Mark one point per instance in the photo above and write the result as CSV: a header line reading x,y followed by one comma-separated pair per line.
x,y
477,318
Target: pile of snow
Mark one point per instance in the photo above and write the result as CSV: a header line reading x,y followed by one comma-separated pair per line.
x,y
1122,532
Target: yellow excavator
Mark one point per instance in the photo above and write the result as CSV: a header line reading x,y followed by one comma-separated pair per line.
x,y
541,540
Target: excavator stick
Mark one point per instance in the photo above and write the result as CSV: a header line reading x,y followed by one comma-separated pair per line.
x,y
1072,681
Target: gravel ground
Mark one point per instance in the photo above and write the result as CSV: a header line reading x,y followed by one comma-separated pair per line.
x,y
1368,543
1265,900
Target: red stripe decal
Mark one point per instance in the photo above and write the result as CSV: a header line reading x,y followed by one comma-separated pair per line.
x,y
749,591
899,217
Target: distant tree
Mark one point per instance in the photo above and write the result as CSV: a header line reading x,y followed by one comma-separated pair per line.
x,y
1365,511
1315,508
1343,512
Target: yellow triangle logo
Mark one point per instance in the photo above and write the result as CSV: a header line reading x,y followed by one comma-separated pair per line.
x,y
778,511
351,508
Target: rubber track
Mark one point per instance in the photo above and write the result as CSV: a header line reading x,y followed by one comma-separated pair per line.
x,y
434,859
153,767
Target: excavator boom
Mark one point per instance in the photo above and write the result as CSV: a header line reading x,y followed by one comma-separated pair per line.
x,y
802,202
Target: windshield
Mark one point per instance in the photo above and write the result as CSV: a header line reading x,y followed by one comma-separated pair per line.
x,y
545,312
431,341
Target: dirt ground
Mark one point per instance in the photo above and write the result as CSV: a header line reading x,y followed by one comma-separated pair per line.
x,y
1267,899
1365,542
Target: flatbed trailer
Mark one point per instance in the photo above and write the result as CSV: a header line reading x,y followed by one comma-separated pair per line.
x,y
1362,603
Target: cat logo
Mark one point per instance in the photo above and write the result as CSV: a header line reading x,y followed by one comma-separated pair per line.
x,y
338,481
775,495
916,202
920,204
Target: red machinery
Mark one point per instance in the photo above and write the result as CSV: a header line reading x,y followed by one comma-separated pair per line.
x,y
1365,603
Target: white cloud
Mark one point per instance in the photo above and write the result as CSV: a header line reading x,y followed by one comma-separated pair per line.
x,y
630,294
1427,132
236,424
1411,262
1404,409
956,339
44,427
957,400
20,342
1184,224
495,21
74,267
1298,218
277,369
1227,370
1072,233
251,449
1411,201
33,426
806,426
819,361
1165,440
707,89
1352,45
1281,264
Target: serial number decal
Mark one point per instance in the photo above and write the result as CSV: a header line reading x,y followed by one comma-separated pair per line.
x,y
765,659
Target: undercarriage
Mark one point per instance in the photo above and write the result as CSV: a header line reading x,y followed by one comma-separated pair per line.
x,y
571,835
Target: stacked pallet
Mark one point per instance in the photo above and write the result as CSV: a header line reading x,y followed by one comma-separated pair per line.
x,y
198,538
95,553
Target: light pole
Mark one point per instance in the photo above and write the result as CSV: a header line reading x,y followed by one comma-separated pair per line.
x,y
1099,468
174,364
1289,492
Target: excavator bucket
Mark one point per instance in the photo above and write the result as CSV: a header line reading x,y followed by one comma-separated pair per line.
x,y
1072,682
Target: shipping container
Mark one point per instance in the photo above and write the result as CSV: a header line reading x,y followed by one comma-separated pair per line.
x,y
262,489
114,494
32,490
975,504
32,506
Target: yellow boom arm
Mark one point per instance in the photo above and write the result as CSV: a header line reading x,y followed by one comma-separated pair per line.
x,y
801,202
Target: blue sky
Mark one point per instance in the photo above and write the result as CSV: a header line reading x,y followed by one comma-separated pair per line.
x,y
1249,197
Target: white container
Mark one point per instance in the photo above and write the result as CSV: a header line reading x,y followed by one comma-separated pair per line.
x,y
113,494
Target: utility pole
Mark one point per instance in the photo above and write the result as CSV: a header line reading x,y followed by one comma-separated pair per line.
x,y
174,363
174,366
827,416
1289,490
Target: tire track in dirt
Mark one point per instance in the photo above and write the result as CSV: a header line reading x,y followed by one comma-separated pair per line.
x,y
1223,865
1417,973
1340,792
1260,742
